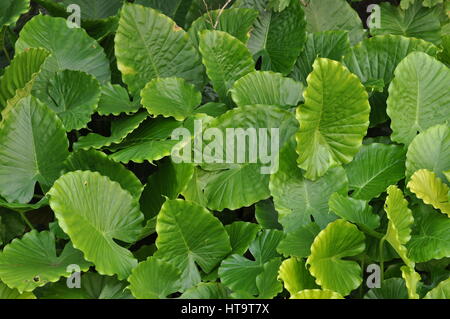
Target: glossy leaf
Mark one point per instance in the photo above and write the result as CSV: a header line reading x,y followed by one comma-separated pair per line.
x,y
295,276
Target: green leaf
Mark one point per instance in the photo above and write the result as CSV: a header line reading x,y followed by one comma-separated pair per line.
x,y
30,134
206,290
354,210
414,22
236,22
411,278
298,243
95,10
442,291
154,279
338,240
73,95
120,128
279,5
418,96
148,151
295,276
430,236
245,182
333,120
297,198
11,11
21,73
317,294
54,35
376,58
114,100
149,45
96,161
430,150
240,274
400,222
170,97
332,45
374,168
266,215
267,282
11,226
189,234
267,88
24,208
32,261
392,288
226,60
8,293
241,235
327,15
429,188
101,212
278,38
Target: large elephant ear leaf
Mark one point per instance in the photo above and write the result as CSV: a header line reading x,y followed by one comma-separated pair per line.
x,y
30,135
441,291
414,108
11,10
279,49
73,95
317,294
431,189
149,45
295,276
21,73
53,34
237,22
154,279
400,222
32,261
171,97
100,213
333,120
226,59
430,150
267,88
188,234
338,240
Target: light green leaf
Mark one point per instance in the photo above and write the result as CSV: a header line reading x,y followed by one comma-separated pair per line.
x,y
101,212
32,261
21,73
8,293
430,150
241,235
226,60
154,279
189,234
332,45
442,291
298,243
267,281
120,128
237,22
338,240
333,120
267,88
429,188
317,294
295,276
70,48
149,45
278,38
418,96
30,134
148,151
392,288
400,222
96,161
11,11
374,168
73,95
354,210
297,198
327,15
411,278
170,97
114,100
206,290
414,22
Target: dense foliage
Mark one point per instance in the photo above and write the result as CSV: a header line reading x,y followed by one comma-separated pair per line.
x,y
358,204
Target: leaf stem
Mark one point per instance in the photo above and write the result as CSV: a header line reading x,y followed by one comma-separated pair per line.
x,y
381,250
371,232
25,219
